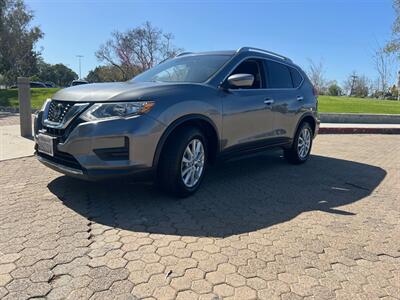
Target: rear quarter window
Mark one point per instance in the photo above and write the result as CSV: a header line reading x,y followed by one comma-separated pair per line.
x,y
279,76
296,77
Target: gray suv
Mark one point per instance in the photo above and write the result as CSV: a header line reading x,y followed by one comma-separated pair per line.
x,y
176,118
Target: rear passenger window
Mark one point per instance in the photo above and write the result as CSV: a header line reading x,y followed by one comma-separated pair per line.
x,y
278,76
296,77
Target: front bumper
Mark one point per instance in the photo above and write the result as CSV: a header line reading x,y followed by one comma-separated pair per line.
x,y
95,174
87,149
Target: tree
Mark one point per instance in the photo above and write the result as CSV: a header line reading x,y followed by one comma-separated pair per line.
x,y
58,73
137,49
18,56
64,75
357,85
394,92
383,63
394,45
334,89
105,74
316,74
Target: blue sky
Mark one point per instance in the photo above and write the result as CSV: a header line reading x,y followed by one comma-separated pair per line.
x,y
340,33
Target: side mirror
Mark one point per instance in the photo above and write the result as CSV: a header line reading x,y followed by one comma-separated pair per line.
x,y
241,80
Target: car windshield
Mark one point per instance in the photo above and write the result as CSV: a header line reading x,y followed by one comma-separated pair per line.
x,y
192,68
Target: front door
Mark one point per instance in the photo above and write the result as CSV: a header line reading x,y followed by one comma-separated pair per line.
x,y
247,114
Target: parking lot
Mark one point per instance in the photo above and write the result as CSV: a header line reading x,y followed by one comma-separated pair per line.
x,y
259,228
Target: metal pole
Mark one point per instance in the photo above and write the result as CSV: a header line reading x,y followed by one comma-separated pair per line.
x,y
79,60
25,110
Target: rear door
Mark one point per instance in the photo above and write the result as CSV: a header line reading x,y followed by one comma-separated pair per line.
x,y
282,86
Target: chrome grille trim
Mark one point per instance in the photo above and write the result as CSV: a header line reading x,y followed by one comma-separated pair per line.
x,y
58,110
59,114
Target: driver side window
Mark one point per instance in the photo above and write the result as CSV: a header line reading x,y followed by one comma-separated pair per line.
x,y
252,67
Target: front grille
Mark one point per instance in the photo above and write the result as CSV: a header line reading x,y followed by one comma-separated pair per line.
x,y
62,134
62,158
58,110
61,117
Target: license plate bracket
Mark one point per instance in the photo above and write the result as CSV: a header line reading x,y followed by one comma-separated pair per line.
x,y
45,144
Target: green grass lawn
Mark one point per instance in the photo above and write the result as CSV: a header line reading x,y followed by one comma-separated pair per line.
x,y
10,97
357,105
326,103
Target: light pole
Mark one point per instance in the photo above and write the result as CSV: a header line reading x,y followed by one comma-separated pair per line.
x,y
79,60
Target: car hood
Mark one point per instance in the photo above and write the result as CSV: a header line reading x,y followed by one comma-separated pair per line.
x,y
115,91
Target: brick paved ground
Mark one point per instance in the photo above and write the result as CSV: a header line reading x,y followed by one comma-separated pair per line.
x,y
9,119
259,228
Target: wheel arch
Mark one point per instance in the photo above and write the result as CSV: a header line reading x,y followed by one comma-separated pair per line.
x,y
203,122
309,118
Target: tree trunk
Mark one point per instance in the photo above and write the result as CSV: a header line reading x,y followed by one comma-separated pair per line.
x,y
398,86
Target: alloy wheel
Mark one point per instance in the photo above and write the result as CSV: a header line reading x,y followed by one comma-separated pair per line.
x,y
304,143
192,165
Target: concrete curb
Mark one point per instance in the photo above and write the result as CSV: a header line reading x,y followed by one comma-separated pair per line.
x,y
359,118
358,130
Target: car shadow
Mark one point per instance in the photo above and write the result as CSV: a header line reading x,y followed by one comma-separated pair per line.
x,y
236,197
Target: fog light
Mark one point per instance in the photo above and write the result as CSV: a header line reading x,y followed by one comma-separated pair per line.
x,y
117,153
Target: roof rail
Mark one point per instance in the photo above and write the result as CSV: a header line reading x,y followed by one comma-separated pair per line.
x,y
244,49
183,53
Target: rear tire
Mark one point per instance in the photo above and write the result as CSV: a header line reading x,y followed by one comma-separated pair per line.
x,y
180,173
301,147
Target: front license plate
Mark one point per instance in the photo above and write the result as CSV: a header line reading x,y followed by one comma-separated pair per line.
x,y
45,144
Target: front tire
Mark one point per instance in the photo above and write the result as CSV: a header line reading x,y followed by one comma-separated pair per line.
x,y
301,147
183,162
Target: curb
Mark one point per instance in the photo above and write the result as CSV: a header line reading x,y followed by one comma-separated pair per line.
x,y
359,118
357,130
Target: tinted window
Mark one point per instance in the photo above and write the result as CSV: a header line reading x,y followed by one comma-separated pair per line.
x,y
296,77
278,76
191,68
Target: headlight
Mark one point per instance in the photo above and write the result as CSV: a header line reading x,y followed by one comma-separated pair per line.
x,y
116,110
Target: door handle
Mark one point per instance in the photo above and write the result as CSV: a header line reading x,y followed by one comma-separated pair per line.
x,y
300,98
268,101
